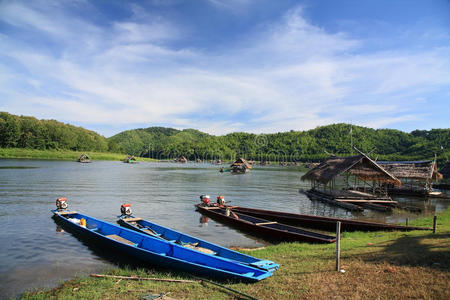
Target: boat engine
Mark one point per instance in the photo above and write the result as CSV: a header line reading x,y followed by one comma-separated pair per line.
x,y
125,209
205,199
221,200
61,203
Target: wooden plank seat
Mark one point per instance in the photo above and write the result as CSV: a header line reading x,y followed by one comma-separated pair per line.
x,y
151,232
120,239
132,219
266,223
64,213
200,249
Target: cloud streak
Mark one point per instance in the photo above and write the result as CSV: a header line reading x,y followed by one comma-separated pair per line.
x,y
291,75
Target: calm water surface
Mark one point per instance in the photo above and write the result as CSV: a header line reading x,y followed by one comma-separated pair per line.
x,y
35,254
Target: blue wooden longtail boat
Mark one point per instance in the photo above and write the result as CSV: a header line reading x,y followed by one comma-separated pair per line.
x,y
157,251
194,243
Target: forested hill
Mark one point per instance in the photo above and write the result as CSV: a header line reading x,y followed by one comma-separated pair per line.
x,y
31,133
315,144
167,143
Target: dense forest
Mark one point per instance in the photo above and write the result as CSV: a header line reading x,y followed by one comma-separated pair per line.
x,y
168,143
311,145
29,132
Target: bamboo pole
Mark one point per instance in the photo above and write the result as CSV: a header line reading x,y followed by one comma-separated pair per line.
x,y
143,278
338,245
434,223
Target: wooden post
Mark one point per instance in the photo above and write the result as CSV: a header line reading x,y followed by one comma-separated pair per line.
x,y
434,223
406,221
338,245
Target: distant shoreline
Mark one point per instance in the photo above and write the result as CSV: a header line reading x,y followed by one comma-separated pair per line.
x,y
67,155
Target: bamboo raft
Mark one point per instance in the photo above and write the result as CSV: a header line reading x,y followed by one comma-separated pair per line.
x,y
352,200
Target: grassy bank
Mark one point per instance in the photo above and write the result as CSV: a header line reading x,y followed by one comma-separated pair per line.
x,y
378,265
60,154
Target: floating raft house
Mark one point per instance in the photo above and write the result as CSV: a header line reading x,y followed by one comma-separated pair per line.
x,y
240,166
84,158
129,159
416,176
352,182
181,159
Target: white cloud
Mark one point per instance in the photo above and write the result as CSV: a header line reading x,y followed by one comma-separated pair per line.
x,y
292,75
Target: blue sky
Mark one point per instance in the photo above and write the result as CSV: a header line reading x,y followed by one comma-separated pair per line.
x,y
259,66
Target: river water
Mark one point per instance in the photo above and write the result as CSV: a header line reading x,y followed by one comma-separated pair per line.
x,y
35,253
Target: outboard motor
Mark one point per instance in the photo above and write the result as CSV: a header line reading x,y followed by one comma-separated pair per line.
x,y
205,200
221,200
125,209
61,203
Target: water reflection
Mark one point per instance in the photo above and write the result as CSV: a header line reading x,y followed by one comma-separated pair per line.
x,y
203,221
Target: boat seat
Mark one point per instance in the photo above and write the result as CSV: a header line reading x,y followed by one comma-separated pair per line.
x,y
200,249
121,239
63,213
151,232
266,223
132,219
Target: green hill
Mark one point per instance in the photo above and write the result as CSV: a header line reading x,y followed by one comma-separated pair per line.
x,y
315,144
165,143
31,133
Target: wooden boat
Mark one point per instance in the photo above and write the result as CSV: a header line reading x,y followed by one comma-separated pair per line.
x,y
149,228
269,230
318,222
157,251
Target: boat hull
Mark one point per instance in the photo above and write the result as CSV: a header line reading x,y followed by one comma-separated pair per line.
x,y
271,231
158,252
150,228
323,223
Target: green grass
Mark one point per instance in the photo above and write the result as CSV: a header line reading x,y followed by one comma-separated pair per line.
x,y
378,265
61,154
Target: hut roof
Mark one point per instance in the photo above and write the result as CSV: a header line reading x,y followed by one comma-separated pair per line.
x,y
359,165
425,169
84,157
241,162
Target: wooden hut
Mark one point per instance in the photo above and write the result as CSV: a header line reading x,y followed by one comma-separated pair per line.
x,y
351,182
240,166
416,176
182,159
84,158
129,159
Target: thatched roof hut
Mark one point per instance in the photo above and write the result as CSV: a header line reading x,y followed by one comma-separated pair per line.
x,y
360,166
84,158
240,166
181,159
420,170
445,170
416,176
240,162
129,159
